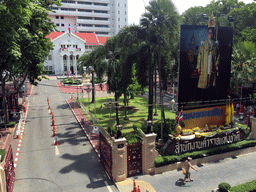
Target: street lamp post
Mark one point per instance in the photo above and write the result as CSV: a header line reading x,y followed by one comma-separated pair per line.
x,y
4,98
88,90
155,114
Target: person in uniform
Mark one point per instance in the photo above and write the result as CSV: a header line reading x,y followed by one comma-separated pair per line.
x,y
207,64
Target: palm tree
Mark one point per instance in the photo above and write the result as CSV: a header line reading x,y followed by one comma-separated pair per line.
x,y
243,64
96,60
161,24
114,72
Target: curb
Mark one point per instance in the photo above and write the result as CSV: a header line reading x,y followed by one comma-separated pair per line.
x,y
83,128
22,127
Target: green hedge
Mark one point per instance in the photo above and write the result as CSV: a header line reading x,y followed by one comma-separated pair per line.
x,y
2,153
224,187
72,81
10,124
245,187
166,160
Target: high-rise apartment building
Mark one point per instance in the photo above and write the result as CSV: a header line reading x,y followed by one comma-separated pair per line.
x,y
102,17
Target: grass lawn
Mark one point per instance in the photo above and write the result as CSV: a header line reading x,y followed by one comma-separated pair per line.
x,y
137,112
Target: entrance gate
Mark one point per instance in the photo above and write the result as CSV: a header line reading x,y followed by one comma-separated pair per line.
x,y
9,170
134,159
105,154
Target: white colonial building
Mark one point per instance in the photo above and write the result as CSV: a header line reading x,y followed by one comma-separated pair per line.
x,y
67,49
102,17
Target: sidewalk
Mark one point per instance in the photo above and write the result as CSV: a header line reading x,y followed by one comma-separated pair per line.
x,y
8,136
207,179
78,89
86,125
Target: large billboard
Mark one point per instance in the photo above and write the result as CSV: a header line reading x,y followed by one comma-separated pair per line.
x,y
205,62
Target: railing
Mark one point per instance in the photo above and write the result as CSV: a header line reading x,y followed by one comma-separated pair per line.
x,y
63,49
95,122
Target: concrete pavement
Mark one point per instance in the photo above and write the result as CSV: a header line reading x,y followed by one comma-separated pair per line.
x,y
72,165
234,170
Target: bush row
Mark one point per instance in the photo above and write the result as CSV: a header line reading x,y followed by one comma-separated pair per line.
x,y
245,187
2,153
10,124
166,160
71,81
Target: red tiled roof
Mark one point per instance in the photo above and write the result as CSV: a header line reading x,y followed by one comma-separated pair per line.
x,y
102,40
90,38
54,35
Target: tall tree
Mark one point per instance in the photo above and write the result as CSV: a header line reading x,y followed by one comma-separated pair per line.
x,y
244,23
97,61
161,22
114,70
243,65
24,25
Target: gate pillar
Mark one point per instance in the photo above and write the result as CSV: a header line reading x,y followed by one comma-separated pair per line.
x,y
119,160
2,180
148,153
253,128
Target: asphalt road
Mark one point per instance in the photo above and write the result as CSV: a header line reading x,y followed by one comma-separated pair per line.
x,y
72,165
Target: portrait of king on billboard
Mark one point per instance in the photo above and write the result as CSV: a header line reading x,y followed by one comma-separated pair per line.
x,y
205,62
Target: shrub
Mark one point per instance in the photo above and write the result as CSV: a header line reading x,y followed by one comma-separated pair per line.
x,y
10,124
98,81
245,187
2,153
134,137
169,159
224,187
114,131
168,129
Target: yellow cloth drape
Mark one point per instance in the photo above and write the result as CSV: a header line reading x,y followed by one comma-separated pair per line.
x,y
229,112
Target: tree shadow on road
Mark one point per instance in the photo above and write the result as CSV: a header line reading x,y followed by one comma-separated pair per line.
x,y
72,138
87,163
63,106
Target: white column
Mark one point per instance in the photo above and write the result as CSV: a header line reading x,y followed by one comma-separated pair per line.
x,y
68,63
75,66
61,65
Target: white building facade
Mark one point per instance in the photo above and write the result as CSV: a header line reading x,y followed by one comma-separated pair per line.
x,y
102,17
67,50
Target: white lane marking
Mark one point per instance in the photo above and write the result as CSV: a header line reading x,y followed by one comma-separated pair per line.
x,y
56,150
109,189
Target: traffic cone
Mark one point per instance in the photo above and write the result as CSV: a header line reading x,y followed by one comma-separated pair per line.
x,y
139,188
54,128
24,108
48,99
134,186
56,142
49,109
24,100
51,112
72,97
18,136
54,133
246,122
53,122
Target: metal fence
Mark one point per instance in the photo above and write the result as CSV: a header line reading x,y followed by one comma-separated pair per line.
x,y
95,122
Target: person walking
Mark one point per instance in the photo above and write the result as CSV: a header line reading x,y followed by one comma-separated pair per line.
x,y
187,165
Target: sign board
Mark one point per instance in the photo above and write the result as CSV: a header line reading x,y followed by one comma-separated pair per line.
x,y
202,79
188,144
202,116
